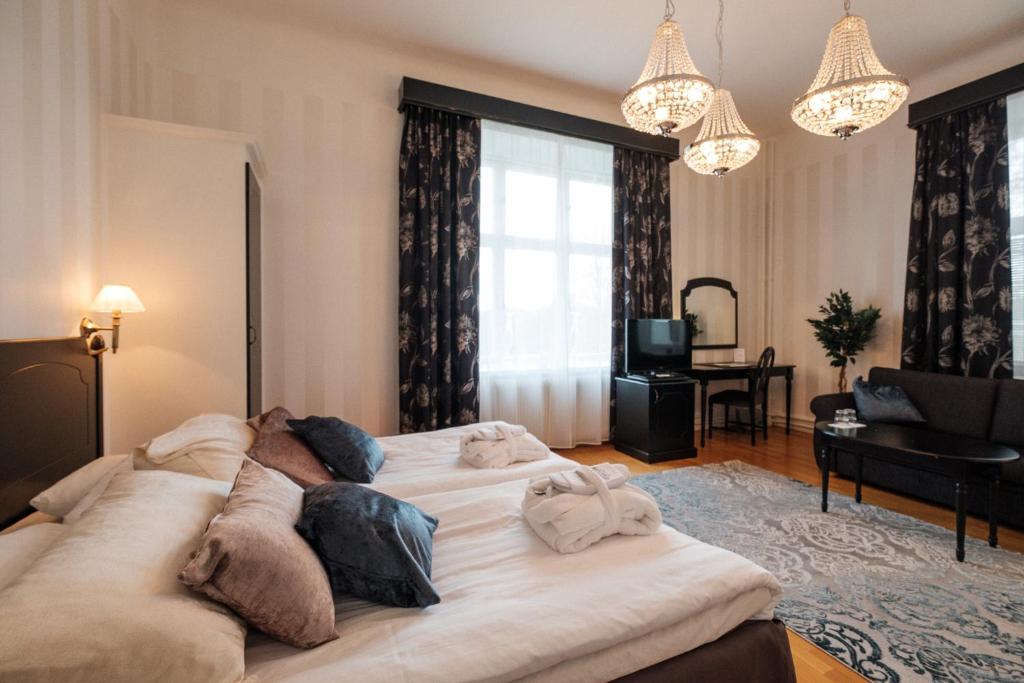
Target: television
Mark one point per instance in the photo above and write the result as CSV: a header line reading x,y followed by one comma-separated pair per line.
x,y
654,345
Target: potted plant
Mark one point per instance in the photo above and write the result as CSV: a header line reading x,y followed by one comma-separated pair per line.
x,y
843,332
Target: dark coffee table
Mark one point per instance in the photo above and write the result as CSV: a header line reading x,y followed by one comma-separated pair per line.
x,y
962,459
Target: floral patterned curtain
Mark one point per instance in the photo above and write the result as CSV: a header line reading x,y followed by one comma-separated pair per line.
x,y
641,253
958,310
438,275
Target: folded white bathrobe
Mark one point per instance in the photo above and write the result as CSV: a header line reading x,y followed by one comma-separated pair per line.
x,y
570,522
500,446
212,434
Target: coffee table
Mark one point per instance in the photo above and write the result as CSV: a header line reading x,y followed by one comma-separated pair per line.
x,y
964,460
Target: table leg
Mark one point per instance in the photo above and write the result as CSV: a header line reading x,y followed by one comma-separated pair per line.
x,y
993,513
826,464
703,408
961,518
764,410
789,397
860,474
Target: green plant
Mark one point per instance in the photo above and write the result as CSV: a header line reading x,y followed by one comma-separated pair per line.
x,y
843,332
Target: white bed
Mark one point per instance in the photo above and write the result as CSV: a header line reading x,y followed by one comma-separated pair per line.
x,y
429,462
512,608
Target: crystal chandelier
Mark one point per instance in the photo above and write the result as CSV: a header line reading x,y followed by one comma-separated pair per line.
x,y
724,142
671,93
852,91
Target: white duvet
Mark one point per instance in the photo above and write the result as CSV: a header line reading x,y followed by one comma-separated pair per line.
x,y
429,462
512,608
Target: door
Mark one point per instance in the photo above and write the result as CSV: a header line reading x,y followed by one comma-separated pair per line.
x,y
254,302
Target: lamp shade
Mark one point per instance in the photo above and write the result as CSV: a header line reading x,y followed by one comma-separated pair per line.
x,y
117,298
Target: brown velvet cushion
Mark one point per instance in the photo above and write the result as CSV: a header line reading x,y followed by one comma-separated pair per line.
x,y
252,560
279,448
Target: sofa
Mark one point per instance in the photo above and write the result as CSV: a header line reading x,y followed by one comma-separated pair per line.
x,y
981,408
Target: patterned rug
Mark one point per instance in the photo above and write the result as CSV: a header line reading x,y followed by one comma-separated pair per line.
x,y
878,590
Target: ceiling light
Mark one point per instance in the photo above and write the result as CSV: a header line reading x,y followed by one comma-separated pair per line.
x,y
671,93
852,91
724,142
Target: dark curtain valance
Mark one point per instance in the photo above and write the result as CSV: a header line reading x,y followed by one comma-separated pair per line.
x,y
438,246
958,312
641,248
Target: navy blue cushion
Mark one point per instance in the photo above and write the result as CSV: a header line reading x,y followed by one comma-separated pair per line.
x,y
373,546
884,403
348,450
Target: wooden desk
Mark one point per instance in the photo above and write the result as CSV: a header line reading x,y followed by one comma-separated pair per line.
x,y
705,372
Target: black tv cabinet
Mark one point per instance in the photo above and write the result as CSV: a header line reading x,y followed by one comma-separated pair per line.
x,y
654,418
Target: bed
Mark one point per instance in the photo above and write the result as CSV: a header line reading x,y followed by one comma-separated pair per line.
x,y
429,462
654,608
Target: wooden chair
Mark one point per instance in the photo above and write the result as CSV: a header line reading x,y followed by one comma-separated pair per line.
x,y
755,395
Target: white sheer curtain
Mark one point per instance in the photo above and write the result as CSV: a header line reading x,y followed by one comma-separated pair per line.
x,y
1015,123
545,283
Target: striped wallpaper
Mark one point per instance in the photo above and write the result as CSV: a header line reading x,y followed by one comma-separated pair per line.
x,y
60,60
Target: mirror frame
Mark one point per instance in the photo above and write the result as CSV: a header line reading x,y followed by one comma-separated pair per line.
x,y
696,282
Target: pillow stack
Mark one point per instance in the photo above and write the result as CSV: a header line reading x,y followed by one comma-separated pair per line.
x,y
315,450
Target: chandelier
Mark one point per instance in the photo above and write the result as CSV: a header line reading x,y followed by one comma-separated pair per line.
x,y
671,93
724,142
852,91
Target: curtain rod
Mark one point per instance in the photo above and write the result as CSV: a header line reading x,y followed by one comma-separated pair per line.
x,y
994,86
422,93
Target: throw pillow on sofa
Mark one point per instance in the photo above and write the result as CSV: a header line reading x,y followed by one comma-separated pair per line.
x,y
884,403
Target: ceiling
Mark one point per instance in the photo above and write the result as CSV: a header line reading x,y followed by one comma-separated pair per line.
x,y
772,47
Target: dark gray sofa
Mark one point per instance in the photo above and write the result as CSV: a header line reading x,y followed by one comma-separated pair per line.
x,y
981,408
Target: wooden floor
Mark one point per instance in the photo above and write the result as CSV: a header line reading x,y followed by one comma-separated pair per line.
x,y
792,456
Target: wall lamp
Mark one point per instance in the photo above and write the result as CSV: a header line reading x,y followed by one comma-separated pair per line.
x,y
115,300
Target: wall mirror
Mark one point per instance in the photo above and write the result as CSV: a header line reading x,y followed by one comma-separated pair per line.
x,y
712,305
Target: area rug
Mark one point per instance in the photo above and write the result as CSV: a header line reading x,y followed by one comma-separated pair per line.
x,y
880,591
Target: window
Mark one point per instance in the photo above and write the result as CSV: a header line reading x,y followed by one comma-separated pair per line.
x,y
1015,114
545,281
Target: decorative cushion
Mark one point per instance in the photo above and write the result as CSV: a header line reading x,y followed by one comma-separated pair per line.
x,y
252,560
951,404
345,448
75,493
278,447
103,602
884,403
374,547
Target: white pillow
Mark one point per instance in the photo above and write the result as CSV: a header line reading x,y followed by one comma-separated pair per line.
x,y
19,549
103,603
73,494
212,433
219,466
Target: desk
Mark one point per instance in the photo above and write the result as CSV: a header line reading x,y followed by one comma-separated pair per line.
x,y
706,372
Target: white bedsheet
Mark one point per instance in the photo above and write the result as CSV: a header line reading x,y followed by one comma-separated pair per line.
x,y
20,548
511,607
429,462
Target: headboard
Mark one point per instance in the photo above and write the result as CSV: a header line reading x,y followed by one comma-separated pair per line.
x,y
50,417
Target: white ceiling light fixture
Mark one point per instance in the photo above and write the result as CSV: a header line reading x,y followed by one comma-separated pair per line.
x,y
724,142
671,93
852,91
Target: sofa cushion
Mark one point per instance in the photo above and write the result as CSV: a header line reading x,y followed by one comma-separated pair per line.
x,y
884,403
950,403
1008,418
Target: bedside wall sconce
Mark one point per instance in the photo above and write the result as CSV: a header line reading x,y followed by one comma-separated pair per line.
x,y
115,300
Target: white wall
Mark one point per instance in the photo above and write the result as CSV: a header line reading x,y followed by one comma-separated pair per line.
x,y
60,60
840,216
324,111
174,228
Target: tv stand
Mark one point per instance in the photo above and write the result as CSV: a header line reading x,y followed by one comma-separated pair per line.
x,y
654,417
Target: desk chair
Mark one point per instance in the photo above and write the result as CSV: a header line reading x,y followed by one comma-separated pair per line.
x,y
754,396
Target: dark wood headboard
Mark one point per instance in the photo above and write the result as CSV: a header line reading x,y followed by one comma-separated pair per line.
x,y
50,417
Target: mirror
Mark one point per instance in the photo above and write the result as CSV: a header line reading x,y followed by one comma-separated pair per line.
x,y
713,307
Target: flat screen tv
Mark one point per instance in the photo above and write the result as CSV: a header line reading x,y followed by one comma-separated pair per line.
x,y
658,345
